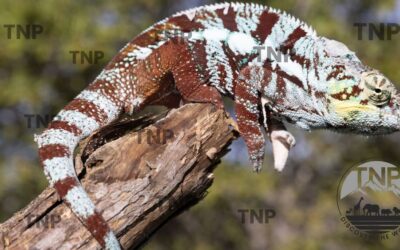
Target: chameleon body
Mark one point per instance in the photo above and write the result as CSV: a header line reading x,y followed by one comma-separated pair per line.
x,y
202,54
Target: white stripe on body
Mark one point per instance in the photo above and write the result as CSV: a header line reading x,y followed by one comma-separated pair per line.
x,y
102,102
111,241
271,87
80,202
85,123
248,17
241,43
57,136
59,168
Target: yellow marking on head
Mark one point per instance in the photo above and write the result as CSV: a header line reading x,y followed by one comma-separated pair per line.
x,y
346,108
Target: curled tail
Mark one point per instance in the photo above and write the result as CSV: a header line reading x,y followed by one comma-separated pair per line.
x,y
96,106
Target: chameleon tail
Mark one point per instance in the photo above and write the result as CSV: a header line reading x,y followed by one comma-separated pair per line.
x,y
91,109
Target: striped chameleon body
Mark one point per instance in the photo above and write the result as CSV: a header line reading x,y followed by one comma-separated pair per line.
x,y
204,53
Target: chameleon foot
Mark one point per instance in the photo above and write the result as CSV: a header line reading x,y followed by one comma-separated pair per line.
x,y
282,142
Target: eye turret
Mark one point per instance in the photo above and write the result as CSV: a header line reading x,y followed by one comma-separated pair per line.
x,y
378,88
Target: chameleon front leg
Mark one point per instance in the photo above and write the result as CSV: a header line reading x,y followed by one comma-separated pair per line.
x,y
247,99
281,139
247,103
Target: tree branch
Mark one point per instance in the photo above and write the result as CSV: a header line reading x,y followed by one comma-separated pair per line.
x,y
138,180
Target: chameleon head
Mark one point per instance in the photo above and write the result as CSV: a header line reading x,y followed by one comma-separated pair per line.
x,y
359,99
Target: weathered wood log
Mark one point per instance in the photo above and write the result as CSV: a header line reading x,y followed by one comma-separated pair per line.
x,y
138,180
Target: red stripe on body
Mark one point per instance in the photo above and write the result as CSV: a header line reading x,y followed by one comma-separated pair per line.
x,y
296,35
64,185
106,90
228,19
186,25
88,108
267,22
65,126
50,151
98,227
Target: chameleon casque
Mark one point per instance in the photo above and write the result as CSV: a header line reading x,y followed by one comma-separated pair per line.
x,y
202,54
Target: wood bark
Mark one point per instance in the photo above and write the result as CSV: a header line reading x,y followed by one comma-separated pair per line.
x,y
139,172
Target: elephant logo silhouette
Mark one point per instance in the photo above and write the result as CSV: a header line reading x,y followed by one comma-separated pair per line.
x,y
370,209
368,199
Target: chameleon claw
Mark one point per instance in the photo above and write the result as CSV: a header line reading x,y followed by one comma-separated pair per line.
x,y
232,122
257,168
257,161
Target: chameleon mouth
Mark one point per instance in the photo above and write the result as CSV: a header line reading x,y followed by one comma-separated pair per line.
x,y
346,109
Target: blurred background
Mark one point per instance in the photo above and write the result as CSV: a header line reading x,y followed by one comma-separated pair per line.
x,y
38,77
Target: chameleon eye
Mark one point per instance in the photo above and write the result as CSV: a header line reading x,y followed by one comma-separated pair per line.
x,y
380,97
377,95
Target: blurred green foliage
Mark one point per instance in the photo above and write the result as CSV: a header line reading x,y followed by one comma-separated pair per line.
x,y
38,77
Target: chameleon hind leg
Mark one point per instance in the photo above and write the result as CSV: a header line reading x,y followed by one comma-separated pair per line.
x,y
190,80
165,71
